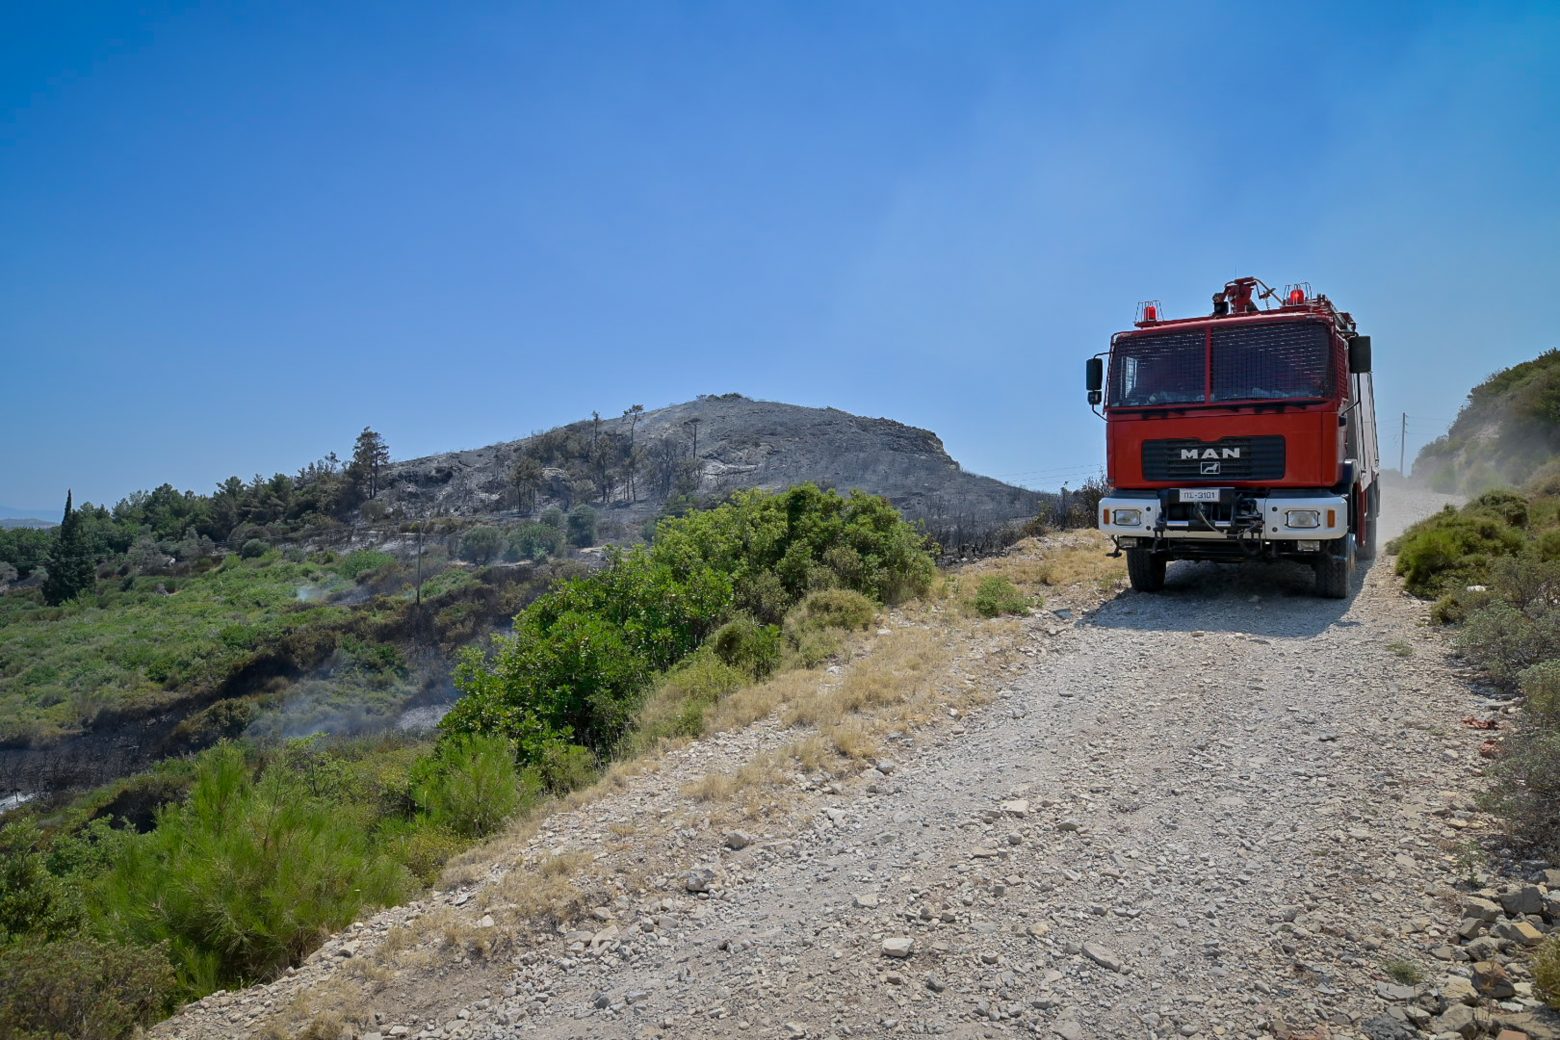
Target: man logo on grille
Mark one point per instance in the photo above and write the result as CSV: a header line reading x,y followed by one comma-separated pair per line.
x,y
1210,469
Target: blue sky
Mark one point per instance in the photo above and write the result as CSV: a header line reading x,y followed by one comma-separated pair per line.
x,y
233,235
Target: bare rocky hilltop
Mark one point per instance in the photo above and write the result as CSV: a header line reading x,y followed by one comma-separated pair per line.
x,y
705,449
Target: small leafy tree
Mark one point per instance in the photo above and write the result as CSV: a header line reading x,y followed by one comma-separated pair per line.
x,y
481,544
70,561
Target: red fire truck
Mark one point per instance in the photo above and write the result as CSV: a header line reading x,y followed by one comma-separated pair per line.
x,y
1248,433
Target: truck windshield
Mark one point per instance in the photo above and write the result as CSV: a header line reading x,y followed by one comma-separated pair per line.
x,y
1279,361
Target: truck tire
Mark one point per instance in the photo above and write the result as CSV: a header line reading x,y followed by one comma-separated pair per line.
x,y
1335,573
1145,570
1367,540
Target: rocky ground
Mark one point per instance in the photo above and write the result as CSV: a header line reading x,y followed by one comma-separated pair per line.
x,y
1230,810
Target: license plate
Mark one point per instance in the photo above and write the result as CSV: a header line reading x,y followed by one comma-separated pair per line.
x,y
1199,494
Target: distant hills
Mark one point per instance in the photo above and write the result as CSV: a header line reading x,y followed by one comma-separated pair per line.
x,y
13,517
704,449
1507,433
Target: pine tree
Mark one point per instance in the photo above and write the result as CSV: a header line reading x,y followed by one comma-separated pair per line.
x,y
369,453
70,561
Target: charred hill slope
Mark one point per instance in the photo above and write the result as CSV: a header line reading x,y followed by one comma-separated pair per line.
x,y
705,449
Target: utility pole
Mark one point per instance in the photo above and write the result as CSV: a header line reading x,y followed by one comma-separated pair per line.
x,y
1403,446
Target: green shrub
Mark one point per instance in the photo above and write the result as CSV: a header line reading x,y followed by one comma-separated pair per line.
x,y
1505,641
560,767
1540,684
34,903
1546,972
813,630
246,877
356,564
995,596
747,645
533,541
252,549
833,608
82,989
481,544
582,526
677,705
1453,549
582,656
469,786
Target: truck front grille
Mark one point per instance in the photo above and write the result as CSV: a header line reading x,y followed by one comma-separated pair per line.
x,y
1214,462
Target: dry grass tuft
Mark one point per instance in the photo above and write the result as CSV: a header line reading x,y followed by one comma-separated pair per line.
x,y
325,1011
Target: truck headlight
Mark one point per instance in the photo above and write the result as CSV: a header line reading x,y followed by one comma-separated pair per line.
x,y
1303,518
1126,517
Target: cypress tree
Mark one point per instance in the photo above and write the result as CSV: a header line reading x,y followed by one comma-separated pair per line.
x,y
70,561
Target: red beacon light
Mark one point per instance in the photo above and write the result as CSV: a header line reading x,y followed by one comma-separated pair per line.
x,y
1297,296
1296,293
1148,312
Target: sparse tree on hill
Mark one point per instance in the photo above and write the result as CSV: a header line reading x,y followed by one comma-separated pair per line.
x,y
527,478
70,561
369,454
631,463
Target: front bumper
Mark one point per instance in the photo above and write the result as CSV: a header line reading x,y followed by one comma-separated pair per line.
x,y
1286,518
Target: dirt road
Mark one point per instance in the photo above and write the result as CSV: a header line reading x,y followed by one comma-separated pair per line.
x,y
1220,811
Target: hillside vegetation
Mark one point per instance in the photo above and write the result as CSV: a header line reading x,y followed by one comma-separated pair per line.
x,y
254,853
1493,567
1505,435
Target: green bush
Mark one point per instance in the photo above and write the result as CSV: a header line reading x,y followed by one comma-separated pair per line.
x,y
481,544
246,877
421,846
747,645
1505,640
833,608
1546,972
1540,684
470,787
360,562
582,526
1455,548
533,541
1527,785
995,596
35,904
252,549
582,656
83,989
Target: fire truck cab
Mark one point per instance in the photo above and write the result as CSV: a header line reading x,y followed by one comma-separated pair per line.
x,y
1248,433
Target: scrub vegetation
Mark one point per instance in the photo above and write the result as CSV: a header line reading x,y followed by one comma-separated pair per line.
x,y
225,867
1494,568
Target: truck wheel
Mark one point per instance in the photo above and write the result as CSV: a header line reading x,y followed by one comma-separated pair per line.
x,y
1334,573
1367,541
1145,570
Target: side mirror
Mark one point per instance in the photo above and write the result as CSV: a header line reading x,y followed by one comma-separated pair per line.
x,y
1094,374
1359,355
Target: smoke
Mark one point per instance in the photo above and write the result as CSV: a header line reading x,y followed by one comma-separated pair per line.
x,y
359,691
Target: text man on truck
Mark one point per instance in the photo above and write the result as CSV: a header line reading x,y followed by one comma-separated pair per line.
x,y
1248,433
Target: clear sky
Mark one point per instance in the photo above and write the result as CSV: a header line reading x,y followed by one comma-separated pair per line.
x,y
231,235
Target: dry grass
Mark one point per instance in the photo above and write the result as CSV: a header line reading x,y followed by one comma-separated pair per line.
x,y
1077,559
761,700
322,1012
